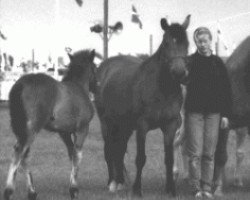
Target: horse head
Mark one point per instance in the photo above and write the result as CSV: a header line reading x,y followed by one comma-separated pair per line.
x,y
174,48
82,68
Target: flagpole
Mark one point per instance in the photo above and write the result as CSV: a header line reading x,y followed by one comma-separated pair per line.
x,y
105,31
56,40
150,44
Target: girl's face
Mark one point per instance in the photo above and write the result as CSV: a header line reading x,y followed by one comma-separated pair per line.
x,y
203,43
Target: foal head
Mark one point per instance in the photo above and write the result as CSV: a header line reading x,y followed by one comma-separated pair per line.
x,y
82,68
174,47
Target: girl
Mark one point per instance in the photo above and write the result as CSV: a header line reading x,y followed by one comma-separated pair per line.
x,y
208,99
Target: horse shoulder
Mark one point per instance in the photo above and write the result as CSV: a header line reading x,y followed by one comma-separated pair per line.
x,y
116,88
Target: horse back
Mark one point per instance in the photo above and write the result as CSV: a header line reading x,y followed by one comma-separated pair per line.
x,y
115,77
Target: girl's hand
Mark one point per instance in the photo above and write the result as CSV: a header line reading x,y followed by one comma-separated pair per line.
x,y
224,123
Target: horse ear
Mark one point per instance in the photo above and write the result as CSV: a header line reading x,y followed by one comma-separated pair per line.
x,y
164,24
70,57
186,22
92,55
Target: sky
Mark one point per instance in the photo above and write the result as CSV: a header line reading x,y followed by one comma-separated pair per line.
x,y
32,24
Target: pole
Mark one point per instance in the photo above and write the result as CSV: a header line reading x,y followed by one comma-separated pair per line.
x,y
150,44
217,45
56,39
105,30
33,59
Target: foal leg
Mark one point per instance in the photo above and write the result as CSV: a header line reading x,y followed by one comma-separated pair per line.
x,y
20,153
169,131
10,185
79,138
140,158
30,185
66,138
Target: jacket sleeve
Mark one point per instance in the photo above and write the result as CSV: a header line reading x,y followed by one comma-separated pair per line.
x,y
225,91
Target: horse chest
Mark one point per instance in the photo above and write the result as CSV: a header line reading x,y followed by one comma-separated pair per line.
x,y
162,109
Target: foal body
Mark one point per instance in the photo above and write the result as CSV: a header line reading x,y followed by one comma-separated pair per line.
x,y
37,102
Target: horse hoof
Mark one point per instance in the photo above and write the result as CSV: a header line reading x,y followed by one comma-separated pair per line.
x,y
8,193
238,183
137,193
120,187
112,186
73,191
218,192
171,190
32,195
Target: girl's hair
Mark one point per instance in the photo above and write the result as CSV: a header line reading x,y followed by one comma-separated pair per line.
x,y
202,30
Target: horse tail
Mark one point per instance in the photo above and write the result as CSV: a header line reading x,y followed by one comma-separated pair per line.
x,y
17,113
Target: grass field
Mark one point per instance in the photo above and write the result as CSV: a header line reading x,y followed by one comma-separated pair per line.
x,y
51,167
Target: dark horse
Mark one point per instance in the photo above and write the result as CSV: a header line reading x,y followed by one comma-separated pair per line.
x,y
142,95
238,68
37,101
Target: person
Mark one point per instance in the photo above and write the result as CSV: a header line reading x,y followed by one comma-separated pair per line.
x,y
208,101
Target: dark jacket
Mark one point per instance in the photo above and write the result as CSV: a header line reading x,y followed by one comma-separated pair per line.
x,y
208,88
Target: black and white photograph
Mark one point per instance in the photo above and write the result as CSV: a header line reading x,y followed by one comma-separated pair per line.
x,y
124,99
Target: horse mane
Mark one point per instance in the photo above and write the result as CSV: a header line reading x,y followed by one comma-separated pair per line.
x,y
77,65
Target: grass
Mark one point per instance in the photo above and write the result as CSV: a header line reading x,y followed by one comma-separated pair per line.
x,y
51,167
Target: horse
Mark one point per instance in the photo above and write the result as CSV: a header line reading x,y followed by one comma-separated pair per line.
x,y
37,101
238,68
136,95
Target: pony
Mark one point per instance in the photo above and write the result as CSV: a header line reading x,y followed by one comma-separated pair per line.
x,y
37,101
238,68
133,94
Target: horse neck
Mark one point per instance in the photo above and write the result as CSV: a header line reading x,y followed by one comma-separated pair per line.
x,y
82,82
167,84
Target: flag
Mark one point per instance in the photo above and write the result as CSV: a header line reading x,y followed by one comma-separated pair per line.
x,y
135,17
2,36
79,2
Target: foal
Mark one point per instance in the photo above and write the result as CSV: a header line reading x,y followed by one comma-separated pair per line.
x,y
38,101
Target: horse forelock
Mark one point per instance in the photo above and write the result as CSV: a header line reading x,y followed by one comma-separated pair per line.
x,y
179,33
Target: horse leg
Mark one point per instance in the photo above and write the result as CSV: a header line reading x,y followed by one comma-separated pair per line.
x,y
169,131
107,131
220,161
20,153
79,138
66,138
30,185
140,158
120,147
240,154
